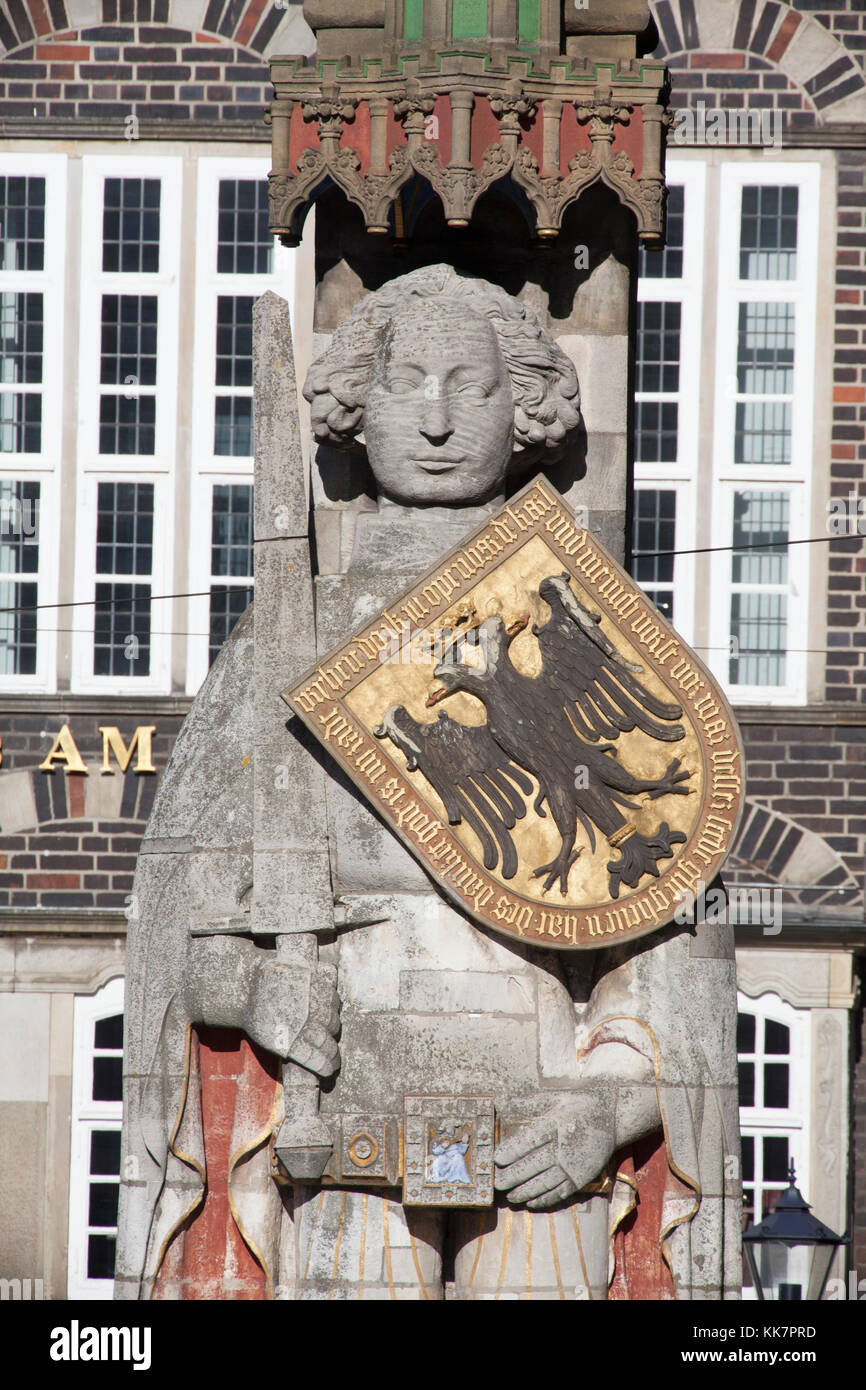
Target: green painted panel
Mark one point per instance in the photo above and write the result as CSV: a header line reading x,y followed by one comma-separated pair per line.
x,y
469,19
413,19
529,22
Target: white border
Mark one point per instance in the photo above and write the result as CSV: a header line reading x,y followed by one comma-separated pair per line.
x,y
87,1115
796,476
158,467
209,468
44,467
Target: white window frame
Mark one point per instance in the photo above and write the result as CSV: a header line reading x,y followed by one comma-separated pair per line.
x,y
796,590
795,477
683,585
44,467
50,283
160,580
210,285
200,562
163,284
157,468
759,1122
209,468
49,621
87,1115
681,477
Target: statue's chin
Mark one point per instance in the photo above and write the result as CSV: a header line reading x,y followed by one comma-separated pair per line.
x,y
443,490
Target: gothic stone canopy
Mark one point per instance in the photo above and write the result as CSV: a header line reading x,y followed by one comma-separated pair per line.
x,y
461,94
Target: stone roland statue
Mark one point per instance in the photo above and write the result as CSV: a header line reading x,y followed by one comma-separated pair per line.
x,y
612,1071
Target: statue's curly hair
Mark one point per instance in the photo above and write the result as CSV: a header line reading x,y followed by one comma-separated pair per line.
x,y
543,380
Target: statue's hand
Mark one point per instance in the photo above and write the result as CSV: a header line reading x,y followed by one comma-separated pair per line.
x,y
296,1014
550,1159
614,1104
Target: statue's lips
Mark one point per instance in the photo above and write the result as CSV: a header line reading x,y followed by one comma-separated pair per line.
x,y
437,465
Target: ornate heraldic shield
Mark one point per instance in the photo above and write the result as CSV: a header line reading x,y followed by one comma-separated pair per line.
x,y
537,734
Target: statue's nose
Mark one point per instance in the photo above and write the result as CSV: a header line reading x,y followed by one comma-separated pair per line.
x,y
436,422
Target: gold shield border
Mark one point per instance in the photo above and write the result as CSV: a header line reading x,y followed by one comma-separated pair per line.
x,y
318,699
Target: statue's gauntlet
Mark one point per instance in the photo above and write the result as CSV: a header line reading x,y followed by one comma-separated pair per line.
x,y
292,1010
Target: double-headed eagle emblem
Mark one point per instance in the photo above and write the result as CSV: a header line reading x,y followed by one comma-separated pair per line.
x,y
559,727
524,720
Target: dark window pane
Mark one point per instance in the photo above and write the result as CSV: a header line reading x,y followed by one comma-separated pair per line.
x,y
102,1207
121,640
777,1038
18,629
759,637
100,1257
129,333
226,606
124,533
746,1073
760,538
745,1032
654,529
765,349
233,426
21,335
656,429
748,1154
109,1032
105,1151
234,341
245,246
663,600
775,1158
20,422
668,264
130,225
19,527
658,347
232,530
108,1078
776,1085
127,426
22,223
768,233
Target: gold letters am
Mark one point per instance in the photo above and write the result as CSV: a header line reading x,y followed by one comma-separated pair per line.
x,y
536,733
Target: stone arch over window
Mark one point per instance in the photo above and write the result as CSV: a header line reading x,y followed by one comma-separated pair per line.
x,y
772,848
811,57
261,26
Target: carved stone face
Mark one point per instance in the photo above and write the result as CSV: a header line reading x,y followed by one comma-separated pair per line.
x,y
439,418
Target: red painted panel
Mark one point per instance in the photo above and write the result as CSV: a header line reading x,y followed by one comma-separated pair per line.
x,y
533,134
303,135
442,111
356,134
641,1272
485,130
573,137
209,1259
396,134
630,139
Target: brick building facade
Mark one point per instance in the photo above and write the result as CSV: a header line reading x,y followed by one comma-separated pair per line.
x,y
101,84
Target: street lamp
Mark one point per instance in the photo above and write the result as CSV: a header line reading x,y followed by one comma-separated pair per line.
x,y
790,1250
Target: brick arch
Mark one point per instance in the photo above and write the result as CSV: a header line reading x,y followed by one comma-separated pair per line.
x,y
772,847
812,58
68,841
257,26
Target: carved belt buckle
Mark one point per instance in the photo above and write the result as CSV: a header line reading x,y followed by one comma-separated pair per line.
x,y
448,1151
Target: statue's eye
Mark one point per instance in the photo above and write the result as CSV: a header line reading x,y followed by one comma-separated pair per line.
x,y
402,386
473,391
